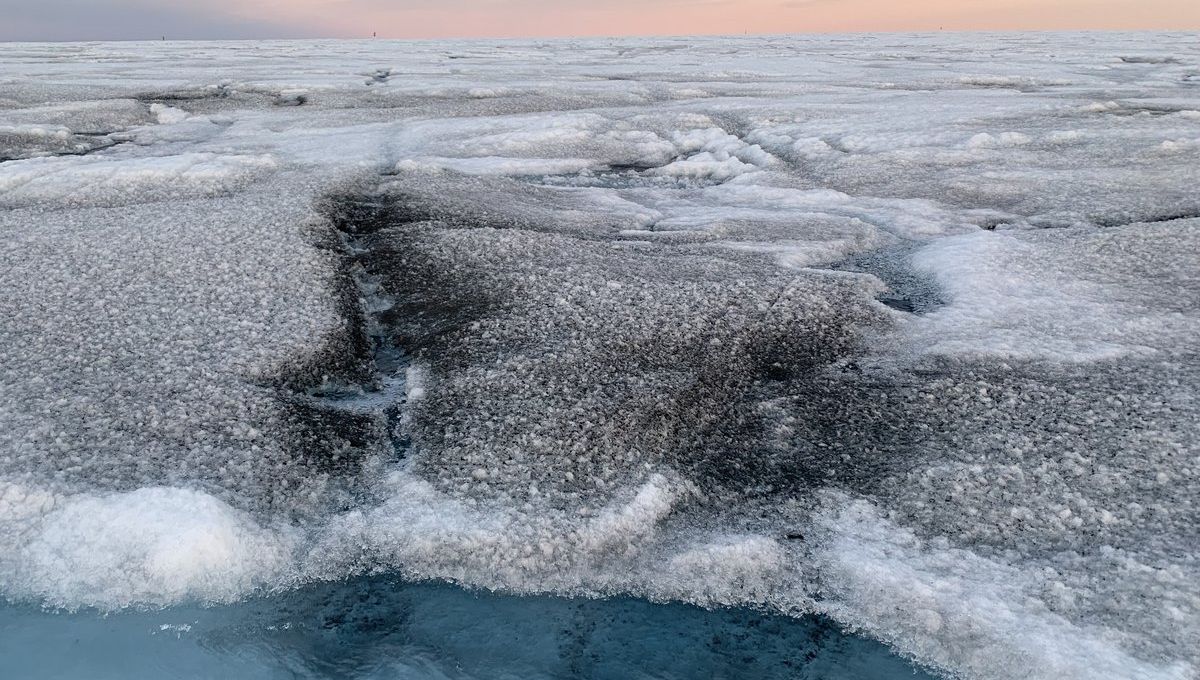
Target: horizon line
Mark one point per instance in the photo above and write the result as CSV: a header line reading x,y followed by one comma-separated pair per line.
x,y
627,36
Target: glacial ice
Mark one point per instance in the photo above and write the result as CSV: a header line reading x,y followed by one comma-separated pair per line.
x,y
607,318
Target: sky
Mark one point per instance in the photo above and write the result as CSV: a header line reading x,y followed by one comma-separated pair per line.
x,y
215,19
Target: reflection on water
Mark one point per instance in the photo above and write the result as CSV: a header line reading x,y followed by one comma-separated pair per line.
x,y
382,628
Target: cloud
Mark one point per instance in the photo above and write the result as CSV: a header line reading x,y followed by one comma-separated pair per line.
x,y
131,20
233,19
804,4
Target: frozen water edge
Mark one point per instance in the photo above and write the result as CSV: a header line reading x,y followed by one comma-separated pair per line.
x,y
376,628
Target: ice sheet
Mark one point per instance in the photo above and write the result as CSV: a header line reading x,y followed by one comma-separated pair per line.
x,y
899,329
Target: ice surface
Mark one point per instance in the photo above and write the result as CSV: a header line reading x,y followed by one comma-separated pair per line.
x,y
1008,291
899,330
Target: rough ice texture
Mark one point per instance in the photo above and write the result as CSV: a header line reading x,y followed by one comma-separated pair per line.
x,y
900,329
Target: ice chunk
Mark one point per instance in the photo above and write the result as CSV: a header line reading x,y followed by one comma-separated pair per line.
x,y
155,545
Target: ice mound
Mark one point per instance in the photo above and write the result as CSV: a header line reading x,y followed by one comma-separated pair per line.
x,y
154,545
955,609
83,117
855,328
28,141
116,181
1008,291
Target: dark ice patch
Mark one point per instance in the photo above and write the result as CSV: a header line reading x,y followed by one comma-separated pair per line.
x,y
1149,59
908,289
379,76
562,364
1124,220
19,146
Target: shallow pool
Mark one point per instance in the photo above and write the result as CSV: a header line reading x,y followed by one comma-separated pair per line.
x,y
383,628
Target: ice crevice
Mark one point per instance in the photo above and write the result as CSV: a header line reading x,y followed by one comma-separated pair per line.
x,y
383,388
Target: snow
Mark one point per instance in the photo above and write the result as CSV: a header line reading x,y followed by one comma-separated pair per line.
x,y
943,604
153,545
1009,290
898,329
104,181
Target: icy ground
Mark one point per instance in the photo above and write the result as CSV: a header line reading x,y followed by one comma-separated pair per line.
x,y
898,330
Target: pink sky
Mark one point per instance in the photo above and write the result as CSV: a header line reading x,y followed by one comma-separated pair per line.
x,y
414,18
117,19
